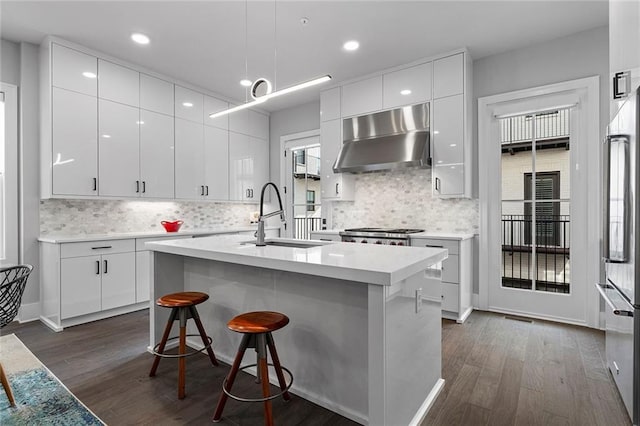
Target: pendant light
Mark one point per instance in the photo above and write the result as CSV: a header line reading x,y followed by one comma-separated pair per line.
x,y
262,89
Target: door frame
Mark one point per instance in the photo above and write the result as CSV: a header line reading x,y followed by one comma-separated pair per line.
x,y
286,143
584,94
13,182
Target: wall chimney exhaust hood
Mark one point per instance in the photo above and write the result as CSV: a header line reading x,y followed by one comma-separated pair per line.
x,y
393,139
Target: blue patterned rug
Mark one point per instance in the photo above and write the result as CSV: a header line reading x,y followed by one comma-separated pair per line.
x,y
41,399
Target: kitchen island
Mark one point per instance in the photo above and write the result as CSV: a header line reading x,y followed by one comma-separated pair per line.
x,y
365,333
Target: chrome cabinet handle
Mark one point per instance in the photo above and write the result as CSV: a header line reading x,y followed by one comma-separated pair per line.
x,y
97,267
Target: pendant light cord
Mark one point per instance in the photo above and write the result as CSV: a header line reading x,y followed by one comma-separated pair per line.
x,y
275,45
246,48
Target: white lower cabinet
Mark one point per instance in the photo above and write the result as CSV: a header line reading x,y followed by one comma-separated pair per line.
x,y
457,287
143,275
80,286
118,280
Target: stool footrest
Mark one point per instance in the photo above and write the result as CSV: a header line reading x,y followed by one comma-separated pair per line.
x,y
241,399
193,352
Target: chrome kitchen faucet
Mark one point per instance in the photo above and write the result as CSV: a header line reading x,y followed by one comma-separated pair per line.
x,y
260,232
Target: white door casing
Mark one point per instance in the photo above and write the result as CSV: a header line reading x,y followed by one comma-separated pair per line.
x,y
582,305
9,229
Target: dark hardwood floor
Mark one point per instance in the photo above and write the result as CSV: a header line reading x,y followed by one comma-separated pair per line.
x,y
502,371
498,371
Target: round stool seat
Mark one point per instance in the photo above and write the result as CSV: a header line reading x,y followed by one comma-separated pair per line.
x,y
182,299
258,322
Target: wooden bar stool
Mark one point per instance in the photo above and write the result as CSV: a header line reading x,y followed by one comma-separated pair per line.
x,y
183,307
256,328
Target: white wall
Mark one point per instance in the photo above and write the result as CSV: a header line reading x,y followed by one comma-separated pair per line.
x,y
19,66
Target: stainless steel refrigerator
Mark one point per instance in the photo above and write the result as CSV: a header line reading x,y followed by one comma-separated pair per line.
x,y
621,291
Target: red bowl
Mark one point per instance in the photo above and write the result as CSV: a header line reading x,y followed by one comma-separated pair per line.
x,y
172,226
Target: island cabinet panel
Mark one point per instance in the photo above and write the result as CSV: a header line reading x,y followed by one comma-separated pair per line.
x,y
74,144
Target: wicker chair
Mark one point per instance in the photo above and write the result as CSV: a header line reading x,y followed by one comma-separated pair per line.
x,y
12,283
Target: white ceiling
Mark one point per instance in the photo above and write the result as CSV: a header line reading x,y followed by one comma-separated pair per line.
x,y
203,42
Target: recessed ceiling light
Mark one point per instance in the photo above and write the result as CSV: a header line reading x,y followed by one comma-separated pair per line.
x,y
244,82
351,45
89,74
405,92
187,104
140,38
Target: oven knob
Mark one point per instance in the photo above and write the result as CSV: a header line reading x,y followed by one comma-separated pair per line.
x,y
400,243
392,243
364,241
378,242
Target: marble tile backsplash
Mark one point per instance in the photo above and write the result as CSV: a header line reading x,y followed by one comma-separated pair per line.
x,y
71,217
403,198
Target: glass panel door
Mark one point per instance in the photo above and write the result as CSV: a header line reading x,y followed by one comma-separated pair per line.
x,y
536,201
306,194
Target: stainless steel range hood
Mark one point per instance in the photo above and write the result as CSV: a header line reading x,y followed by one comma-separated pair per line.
x,y
393,139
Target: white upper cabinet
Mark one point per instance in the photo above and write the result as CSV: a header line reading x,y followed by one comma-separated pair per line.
x,y
156,94
216,163
448,76
239,121
258,125
119,149
212,105
448,135
449,180
362,97
156,155
74,70
330,104
334,186
117,83
240,167
188,104
74,143
407,86
189,164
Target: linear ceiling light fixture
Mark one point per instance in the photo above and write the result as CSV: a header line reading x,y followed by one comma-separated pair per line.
x,y
277,93
261,88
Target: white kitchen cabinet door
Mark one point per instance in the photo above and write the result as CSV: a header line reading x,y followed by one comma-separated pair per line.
x,y
362,97
156,95
74,144
189,104
216,163
74,70
260,167
449,179
448,76
408,86
117,83
240,167
80,286
212,105
188,159
119,149
448,130
239,121
334,186
143,276
450,295
156,155
118,280
258,125
330,104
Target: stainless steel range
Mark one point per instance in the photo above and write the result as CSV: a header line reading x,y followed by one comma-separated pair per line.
x,y
387,236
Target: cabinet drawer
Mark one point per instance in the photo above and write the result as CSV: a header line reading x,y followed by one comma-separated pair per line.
x,y
450,297
451,245
89,248
450,269
140,242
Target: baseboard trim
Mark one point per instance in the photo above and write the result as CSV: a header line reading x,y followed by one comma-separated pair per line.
x,y
465,315
29,312
538,316
428,403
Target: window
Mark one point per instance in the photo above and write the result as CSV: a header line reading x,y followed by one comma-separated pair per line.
x,y
311,201
547,213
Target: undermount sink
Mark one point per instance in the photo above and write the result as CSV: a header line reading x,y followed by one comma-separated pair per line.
x,y
300,244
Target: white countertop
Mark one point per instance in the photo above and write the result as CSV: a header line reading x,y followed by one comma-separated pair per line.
x,y
72,238
426,234
372,264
